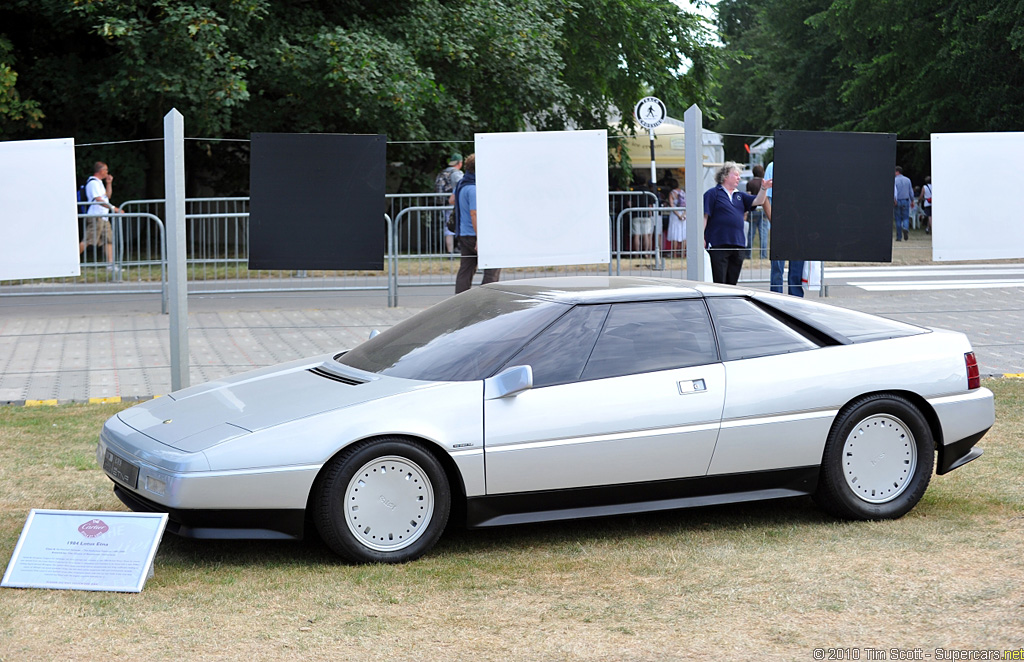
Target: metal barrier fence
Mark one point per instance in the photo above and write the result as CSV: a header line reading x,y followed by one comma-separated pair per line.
x,y
136,262
418,253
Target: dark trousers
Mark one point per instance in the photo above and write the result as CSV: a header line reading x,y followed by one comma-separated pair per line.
x,y
726,263
795,280
467,266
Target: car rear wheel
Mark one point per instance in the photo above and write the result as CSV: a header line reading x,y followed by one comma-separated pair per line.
x,y
878,459
382,501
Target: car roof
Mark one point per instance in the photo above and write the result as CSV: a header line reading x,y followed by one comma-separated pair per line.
x,y
612,289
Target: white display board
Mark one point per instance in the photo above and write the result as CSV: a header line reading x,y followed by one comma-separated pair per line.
x,y
85,550
542,198
973,218
38,214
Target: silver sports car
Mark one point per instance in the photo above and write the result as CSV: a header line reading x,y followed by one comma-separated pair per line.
x,y
559,398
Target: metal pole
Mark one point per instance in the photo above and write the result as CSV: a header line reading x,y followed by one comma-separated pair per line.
x,y
694,138
654,177
392,262
174,194
656,237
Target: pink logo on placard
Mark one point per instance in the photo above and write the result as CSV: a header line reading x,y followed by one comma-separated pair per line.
x,y
93,528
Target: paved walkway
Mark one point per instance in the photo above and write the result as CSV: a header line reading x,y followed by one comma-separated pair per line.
x,y
128,355
99,347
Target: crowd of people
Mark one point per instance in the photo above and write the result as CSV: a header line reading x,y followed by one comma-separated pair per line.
x,y
732,220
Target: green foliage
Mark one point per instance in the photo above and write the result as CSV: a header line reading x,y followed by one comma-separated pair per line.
x,y
779,72
911,67
13,110
110,70
168,54
617,51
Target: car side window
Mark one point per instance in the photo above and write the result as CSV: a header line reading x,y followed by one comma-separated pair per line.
x,y
746,331
652,335
559,353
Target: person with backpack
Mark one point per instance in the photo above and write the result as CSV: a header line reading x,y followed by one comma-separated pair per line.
x,y
98,190
465,217
445,182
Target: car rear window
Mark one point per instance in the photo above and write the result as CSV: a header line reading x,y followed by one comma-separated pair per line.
x,y
745,331
842,323
464,338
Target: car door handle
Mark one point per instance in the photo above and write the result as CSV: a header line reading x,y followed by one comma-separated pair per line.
x,y
688,386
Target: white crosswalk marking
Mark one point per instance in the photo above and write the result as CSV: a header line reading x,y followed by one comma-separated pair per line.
x,y
924,278
904,286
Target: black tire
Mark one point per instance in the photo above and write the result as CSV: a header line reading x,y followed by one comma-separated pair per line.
x,y
382,501
878,459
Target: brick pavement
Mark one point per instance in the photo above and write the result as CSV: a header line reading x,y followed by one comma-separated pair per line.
x,y
48,354
993,319
128,355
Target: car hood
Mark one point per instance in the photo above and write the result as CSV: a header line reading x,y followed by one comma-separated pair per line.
x,y
194,419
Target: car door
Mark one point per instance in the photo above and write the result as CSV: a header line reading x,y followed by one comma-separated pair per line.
x,y
780,400
623,393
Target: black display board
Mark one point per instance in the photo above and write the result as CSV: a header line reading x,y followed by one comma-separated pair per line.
x,y
317,202
832,196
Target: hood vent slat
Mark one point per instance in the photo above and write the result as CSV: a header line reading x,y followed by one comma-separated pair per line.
x,y
351,381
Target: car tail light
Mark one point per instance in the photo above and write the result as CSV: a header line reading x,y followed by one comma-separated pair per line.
x,y
973,375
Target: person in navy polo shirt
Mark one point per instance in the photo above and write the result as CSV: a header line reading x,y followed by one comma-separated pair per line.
x,y
724,209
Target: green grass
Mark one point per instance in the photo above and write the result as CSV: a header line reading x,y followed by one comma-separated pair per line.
x,y
770,580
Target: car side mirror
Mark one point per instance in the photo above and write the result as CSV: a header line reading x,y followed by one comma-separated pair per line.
x,y
508,382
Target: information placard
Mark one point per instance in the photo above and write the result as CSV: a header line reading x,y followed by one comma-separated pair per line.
x,y
85,550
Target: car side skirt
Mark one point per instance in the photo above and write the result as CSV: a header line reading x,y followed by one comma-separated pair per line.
x,y
256,524
551,505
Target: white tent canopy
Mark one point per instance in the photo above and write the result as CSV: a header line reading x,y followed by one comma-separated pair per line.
x,y
670,149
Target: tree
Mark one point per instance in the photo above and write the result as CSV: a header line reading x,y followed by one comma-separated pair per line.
x,y
779,73
910,67
618,51
106,70
13,110
941,67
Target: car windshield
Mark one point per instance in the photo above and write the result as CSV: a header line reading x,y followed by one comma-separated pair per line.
x,y
464,338
851,324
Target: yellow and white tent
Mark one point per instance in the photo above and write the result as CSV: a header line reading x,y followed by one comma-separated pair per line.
x,y
670,150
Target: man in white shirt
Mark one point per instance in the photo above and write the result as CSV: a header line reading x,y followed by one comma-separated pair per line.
x,y
97,226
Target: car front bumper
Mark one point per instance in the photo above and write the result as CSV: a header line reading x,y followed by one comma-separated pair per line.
x,y
266,502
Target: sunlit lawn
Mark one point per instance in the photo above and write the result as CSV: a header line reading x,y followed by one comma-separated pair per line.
x,y
772,580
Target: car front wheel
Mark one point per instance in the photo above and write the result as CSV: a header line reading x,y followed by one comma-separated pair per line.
x,y
382,501
878,460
